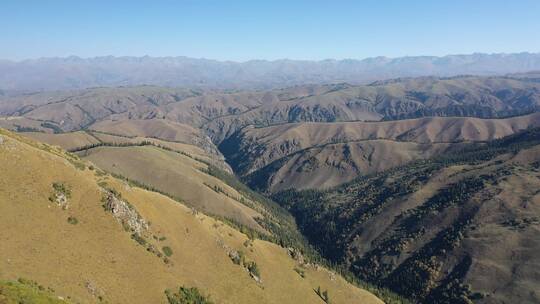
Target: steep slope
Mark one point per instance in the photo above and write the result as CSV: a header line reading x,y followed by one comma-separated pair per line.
x,y
157,128
178,175
177,169
334,164
313,155
439,230
92,238
83,140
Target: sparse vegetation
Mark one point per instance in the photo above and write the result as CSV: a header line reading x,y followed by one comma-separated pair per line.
x,y
139,239
72,220
26,291
61,194
187,295
167,251
300,272
253,269
62,188
323,295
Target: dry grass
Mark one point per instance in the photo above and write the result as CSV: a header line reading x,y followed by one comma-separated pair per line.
x,y
38,243
67,141
174,174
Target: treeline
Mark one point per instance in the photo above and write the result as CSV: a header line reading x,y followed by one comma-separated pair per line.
x,y
135,144
111,144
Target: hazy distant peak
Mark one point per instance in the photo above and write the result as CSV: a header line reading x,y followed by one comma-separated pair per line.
x,y
74,72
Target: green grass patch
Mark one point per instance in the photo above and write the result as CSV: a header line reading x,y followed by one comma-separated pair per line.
x,y
26,292
167,251
187,295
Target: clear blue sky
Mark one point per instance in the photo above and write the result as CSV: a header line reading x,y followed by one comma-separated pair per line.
x,y
243,30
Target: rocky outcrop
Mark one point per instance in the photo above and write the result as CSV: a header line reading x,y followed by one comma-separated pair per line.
x,y
61,194
125,213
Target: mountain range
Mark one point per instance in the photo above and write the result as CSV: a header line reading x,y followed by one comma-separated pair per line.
x,y
405,190
73,72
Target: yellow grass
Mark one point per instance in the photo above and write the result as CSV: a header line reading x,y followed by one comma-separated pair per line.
x,y
67,141
38,243
175,174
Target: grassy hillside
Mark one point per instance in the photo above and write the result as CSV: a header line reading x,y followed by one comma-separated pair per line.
x,y
187,173
177,175
82,140
315,155
25,291
334,164
438,230
92,238
67,141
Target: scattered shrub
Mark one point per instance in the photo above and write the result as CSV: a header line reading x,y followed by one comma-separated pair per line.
x,y
301,272
73,220
253,269
139,239
323,295
187,295
238,257
167,251
62,188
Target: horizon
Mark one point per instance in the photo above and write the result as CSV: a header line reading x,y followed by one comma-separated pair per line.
x,y
242,31
269,60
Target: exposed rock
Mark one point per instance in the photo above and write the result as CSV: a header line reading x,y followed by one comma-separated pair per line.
x,y
255,278
238,258
61,195
332,276
61,200
93,289
125,214
296,255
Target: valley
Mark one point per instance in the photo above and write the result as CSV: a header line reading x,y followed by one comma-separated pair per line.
x,y
446,222
394,191
270,152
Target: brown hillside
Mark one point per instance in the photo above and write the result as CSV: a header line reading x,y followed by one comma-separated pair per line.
x,y
441,230
306,155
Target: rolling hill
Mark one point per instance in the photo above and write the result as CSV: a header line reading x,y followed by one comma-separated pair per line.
x,y
314,155
87,237
219,115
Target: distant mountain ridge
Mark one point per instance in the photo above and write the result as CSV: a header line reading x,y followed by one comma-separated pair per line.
x,y
73,72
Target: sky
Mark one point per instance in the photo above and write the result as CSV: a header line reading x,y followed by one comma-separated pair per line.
x,y
246,30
